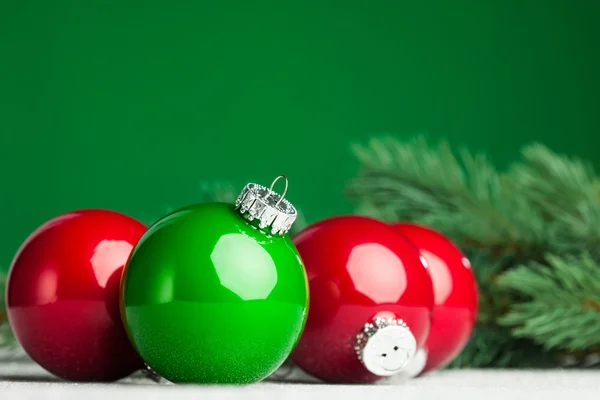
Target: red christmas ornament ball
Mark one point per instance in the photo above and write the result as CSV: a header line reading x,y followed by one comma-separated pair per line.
x,y
455,294
371,300
62,295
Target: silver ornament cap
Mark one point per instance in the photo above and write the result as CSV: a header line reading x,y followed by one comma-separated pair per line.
x,y
268,211
385,346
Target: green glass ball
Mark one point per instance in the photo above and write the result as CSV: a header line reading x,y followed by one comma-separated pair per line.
x,y
208,298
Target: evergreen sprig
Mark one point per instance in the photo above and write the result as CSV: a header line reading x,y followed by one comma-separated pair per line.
x,y
561,309
491,347
566,191
464,196
532,233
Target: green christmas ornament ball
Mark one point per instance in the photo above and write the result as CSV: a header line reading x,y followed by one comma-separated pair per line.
x,y
216,293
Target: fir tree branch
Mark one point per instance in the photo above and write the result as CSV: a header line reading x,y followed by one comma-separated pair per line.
x,y
566,190
465,198
493,347
544,203
561,302
492,302
555,182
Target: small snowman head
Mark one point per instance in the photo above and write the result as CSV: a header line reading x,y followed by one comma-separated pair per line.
x,y
385,346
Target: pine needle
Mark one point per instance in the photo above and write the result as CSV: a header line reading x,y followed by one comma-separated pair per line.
x,y
493,347
566,191
464,197
561,309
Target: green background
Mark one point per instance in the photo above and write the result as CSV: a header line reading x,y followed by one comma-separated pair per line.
x,y
128,104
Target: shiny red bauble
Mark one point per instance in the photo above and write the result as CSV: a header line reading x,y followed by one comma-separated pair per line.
x,y
62,295
371,299
455,293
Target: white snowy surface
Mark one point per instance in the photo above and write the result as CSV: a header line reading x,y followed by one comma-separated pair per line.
x,y
23,380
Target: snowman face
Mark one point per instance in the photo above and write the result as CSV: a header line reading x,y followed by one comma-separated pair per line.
x,y
389,350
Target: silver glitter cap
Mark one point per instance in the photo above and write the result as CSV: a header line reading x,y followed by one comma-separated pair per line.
x,y
268,211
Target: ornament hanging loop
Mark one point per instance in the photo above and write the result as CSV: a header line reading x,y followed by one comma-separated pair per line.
x,y
284,190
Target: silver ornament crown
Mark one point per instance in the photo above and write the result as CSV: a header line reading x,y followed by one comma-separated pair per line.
x,y
265,209
371,328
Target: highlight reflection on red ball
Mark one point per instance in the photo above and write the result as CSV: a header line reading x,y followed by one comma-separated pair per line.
x,y
63,295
